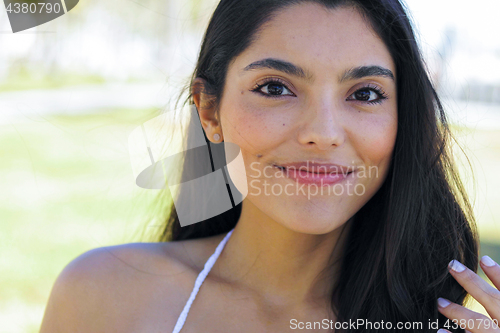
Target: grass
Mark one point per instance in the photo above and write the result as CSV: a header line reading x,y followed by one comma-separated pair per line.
x,y
67,187
27,80
482,149
21,78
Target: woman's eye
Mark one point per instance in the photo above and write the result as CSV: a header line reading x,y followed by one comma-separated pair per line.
x,y
370,95
273,89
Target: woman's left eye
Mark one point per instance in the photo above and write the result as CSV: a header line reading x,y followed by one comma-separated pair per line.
x,y
273,89
369,95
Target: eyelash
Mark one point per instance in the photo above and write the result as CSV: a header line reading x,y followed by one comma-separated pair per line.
x,y
380,93
269,81
377,90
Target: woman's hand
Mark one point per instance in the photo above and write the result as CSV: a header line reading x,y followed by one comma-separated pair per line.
x,y
482,291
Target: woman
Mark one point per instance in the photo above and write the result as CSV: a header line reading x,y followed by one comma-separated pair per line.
x,y
304,88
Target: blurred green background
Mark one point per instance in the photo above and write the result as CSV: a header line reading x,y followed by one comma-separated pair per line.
x,y
73,89
66,188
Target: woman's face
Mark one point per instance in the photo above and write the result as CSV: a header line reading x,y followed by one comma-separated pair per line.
x,y
326,94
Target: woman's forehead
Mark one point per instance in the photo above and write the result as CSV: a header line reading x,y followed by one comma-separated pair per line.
x,y
321,39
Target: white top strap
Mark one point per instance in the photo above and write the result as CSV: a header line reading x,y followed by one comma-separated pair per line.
x,y
199,280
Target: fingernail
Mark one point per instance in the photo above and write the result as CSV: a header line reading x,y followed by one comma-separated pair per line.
x,y
442,331
443,302
456,266
487,261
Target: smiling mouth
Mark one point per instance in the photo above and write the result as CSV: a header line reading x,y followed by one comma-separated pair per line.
x,y
311,172
309,177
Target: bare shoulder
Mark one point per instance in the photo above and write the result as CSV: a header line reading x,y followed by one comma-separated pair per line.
x,y
126,288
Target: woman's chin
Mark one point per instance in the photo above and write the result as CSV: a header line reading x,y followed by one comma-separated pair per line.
x,y
313,226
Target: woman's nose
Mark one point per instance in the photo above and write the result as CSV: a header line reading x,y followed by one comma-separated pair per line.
x,y
322,126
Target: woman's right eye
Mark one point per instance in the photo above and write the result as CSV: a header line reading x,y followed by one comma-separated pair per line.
x,y
273,89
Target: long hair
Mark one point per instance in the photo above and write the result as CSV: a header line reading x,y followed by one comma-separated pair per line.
x,y
398,248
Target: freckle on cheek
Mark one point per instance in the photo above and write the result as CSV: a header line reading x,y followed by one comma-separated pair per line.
x,y
242,92
283,124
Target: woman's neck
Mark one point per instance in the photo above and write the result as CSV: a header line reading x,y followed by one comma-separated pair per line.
x,y
283,267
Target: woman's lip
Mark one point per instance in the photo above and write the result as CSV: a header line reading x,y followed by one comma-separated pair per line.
x,y
318,168
305,177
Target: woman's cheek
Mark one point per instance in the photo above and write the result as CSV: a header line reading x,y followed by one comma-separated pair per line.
x,y
256,126
375,140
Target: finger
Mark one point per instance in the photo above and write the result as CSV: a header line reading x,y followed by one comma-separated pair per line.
x,y
482,291
491,269
465,318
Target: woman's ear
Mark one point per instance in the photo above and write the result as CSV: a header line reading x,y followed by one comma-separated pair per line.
x,y
206,106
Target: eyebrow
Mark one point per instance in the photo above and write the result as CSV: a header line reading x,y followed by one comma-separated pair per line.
x,y
280,65
364,71
289,68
